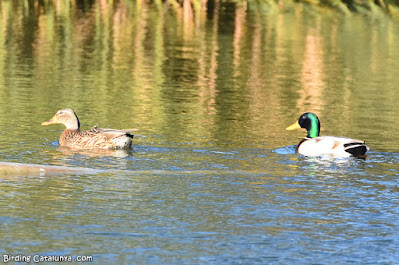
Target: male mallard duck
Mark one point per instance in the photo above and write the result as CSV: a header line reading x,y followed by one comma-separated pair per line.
x,y
94,138
315,145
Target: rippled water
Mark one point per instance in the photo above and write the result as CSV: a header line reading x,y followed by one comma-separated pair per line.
x,y
213,177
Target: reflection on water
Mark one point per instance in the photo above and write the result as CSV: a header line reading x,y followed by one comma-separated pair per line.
x,y
213,176
213,77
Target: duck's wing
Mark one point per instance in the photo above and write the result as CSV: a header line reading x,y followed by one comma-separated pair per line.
x,y
111,133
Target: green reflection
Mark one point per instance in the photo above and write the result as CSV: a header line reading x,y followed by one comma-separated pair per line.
x,y
210,72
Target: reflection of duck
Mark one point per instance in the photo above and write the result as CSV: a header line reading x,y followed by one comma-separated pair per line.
x,y
315,145
95,138
96,152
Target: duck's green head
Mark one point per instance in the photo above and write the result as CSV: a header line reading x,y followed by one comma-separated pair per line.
x,y
308,121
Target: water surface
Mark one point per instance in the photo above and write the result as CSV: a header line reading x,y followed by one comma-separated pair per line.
x,y
213,177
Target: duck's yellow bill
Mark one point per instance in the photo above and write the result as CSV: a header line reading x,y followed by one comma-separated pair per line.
x,y
293,126
51,121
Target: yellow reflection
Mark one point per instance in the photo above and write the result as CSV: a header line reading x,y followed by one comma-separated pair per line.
x,y
174,65
311,94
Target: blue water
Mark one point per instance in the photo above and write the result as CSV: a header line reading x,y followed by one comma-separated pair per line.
x,y
227,206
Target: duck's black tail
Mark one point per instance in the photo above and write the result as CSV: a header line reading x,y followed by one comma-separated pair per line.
x,y
356,149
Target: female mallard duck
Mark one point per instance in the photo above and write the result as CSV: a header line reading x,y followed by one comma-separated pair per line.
x,y
95,138
315,145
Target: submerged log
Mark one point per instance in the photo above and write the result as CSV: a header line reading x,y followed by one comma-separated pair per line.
x,y
19,169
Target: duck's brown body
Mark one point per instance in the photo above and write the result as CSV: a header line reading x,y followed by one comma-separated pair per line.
x,y
95,138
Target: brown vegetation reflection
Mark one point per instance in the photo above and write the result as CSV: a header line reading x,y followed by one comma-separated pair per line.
x,y
199,67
